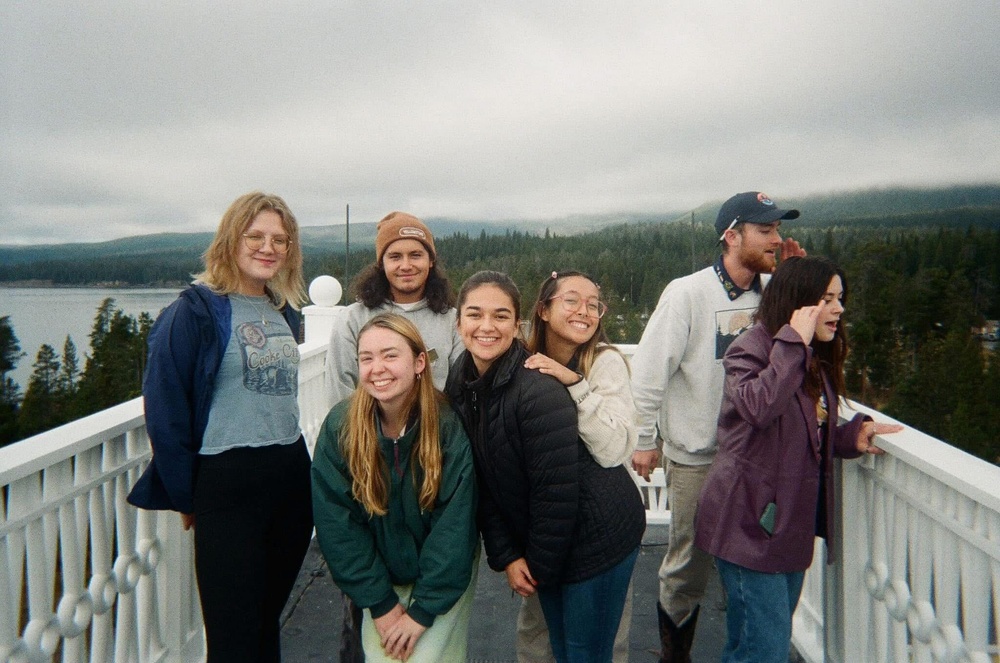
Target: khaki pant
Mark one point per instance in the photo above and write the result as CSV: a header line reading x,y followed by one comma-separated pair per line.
x,y
533,636
686,569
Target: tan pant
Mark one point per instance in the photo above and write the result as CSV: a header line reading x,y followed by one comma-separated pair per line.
x,y
686,569
533,635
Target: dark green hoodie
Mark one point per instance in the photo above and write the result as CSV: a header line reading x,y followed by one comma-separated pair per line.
x,y
431,550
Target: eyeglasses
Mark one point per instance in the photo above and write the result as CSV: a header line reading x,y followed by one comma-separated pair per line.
x,y
572,300
255,242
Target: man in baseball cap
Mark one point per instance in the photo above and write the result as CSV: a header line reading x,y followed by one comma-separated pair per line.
x,y
749,207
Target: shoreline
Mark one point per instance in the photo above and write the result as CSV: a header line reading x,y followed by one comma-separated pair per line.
x,y
100,285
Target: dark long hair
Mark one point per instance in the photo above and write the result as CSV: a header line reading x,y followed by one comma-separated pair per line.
x,y
798,282
371,287
585,353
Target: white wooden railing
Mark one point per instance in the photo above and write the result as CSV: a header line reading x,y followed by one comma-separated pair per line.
x,y
85,577
919,571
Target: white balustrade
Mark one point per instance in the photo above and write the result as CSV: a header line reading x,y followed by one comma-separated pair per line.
x,y
918,571
83,575
86,577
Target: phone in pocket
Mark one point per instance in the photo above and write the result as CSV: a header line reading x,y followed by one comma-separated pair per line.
x,y
767,518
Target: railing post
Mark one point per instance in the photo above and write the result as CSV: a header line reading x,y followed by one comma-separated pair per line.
x,y
325,292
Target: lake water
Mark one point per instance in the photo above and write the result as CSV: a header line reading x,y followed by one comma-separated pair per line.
x,y
48,315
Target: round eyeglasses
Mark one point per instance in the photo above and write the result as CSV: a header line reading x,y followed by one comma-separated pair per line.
x,y
255,242
572,300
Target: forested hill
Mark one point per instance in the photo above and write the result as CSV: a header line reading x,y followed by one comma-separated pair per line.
x,y
171,258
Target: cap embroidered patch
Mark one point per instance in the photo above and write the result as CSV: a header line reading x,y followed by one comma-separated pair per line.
x,y
763,199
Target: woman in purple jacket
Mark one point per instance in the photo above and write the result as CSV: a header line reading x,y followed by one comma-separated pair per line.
x,y
769,492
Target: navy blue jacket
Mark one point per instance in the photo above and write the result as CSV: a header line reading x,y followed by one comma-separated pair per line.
x,y
186,345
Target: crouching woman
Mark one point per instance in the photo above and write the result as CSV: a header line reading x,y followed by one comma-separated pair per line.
x,y
394,502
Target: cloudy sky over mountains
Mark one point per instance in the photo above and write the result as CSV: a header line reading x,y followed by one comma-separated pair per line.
x,y
123,118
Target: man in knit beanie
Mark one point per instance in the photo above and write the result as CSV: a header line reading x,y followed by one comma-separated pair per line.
x,y
406,279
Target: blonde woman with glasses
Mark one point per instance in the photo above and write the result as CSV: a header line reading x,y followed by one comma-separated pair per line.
x,y
220,394
394,497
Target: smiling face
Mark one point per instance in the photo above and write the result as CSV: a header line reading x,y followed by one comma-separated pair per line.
x,y
756,246
387,367
829,318
407,264
576,327
487,323
257,267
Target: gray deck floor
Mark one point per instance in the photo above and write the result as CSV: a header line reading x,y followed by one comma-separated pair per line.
x,y
311,623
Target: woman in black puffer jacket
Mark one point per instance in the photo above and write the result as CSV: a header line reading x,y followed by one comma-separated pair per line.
x,y
552,518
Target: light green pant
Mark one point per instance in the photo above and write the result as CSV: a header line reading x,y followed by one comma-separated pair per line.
x,y
446,641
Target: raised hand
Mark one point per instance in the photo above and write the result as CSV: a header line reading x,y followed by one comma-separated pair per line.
x,y
791,247
804,321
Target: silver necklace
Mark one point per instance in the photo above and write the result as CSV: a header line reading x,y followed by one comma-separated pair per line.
x,y
251,302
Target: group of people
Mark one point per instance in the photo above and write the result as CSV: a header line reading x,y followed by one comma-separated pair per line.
x,y
448,426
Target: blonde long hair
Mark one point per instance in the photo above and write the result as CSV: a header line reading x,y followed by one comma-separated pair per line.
x,y
359,437
221,272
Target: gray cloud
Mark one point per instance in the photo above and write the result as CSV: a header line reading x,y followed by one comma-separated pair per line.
x,y
122,119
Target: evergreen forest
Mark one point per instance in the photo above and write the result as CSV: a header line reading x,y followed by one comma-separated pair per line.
x,y
921,290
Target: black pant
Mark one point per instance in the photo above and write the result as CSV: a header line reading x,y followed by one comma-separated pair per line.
x,y
253,522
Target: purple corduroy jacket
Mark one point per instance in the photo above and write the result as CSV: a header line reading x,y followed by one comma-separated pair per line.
x,y
769,452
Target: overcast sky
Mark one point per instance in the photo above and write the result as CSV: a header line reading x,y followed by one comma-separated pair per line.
x,y
124,118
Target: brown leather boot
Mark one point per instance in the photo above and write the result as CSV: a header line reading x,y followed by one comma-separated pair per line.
x,y
676,641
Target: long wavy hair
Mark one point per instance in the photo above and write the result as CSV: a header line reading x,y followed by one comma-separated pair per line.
x,y
585,353
798,282
222,274
359,437
371,287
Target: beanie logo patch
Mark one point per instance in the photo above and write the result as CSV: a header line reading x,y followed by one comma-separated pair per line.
x,y
764,200
410,231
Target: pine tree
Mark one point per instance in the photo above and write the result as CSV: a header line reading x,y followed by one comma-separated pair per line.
x,y
113,371
10,392
41,410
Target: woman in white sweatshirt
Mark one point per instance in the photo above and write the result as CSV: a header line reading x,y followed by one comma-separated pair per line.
x,y
568,342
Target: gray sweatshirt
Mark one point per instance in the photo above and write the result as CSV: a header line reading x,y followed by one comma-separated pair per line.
x,y
438,330
677,372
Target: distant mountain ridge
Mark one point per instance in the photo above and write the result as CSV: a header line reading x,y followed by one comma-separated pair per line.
x,y
979,205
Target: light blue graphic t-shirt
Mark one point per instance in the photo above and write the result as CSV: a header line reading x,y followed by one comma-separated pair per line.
x,y
255,402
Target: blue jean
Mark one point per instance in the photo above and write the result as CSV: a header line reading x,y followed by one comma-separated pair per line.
x,y
758,613
583,616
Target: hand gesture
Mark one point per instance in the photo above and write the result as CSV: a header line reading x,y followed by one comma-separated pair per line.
x,y
804,321
790,248
385,623
644,462
869,430
550,366
401,638
519,577
187,521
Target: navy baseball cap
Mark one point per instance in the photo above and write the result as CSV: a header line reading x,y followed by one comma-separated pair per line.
x,y
750,207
